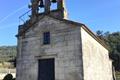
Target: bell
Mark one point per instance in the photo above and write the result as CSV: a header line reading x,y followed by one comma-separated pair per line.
x,y
41,4
29,6
54,1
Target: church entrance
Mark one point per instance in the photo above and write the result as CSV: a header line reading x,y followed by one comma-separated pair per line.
x,y
46,69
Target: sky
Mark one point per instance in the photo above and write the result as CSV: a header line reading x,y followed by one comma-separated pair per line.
x,y
96,14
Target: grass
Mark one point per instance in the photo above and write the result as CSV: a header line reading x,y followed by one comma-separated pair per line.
x,y
117,75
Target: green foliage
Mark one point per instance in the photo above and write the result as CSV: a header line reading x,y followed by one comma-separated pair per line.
x,y
7,53
8,77
13,79
113,42
117,75
8,56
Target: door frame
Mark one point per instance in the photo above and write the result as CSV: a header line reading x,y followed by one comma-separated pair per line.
x,y
46,59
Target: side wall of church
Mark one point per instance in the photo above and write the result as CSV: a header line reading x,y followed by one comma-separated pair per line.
x,y
65,48
96,62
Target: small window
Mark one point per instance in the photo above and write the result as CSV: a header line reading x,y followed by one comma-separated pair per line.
x,y
46,38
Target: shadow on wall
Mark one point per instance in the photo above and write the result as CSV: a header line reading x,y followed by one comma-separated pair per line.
x,y
9,77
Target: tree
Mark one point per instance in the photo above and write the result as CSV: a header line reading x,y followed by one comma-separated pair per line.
x,y
113,42
9,77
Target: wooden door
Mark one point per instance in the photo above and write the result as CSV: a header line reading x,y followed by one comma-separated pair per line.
x,y
46,69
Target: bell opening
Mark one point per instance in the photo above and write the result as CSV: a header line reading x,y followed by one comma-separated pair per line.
x,y
53,6
41,5
53,1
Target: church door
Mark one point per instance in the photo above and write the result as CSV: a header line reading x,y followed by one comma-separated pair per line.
x,y
46,69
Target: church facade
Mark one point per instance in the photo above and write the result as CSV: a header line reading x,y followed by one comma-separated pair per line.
x,y
53,48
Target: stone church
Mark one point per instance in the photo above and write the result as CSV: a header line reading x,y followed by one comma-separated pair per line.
x,y
51,47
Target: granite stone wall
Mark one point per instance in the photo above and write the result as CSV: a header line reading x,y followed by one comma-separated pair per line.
x,y
65,48
96,62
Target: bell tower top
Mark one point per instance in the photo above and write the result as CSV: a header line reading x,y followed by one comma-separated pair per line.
x,y
36,5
